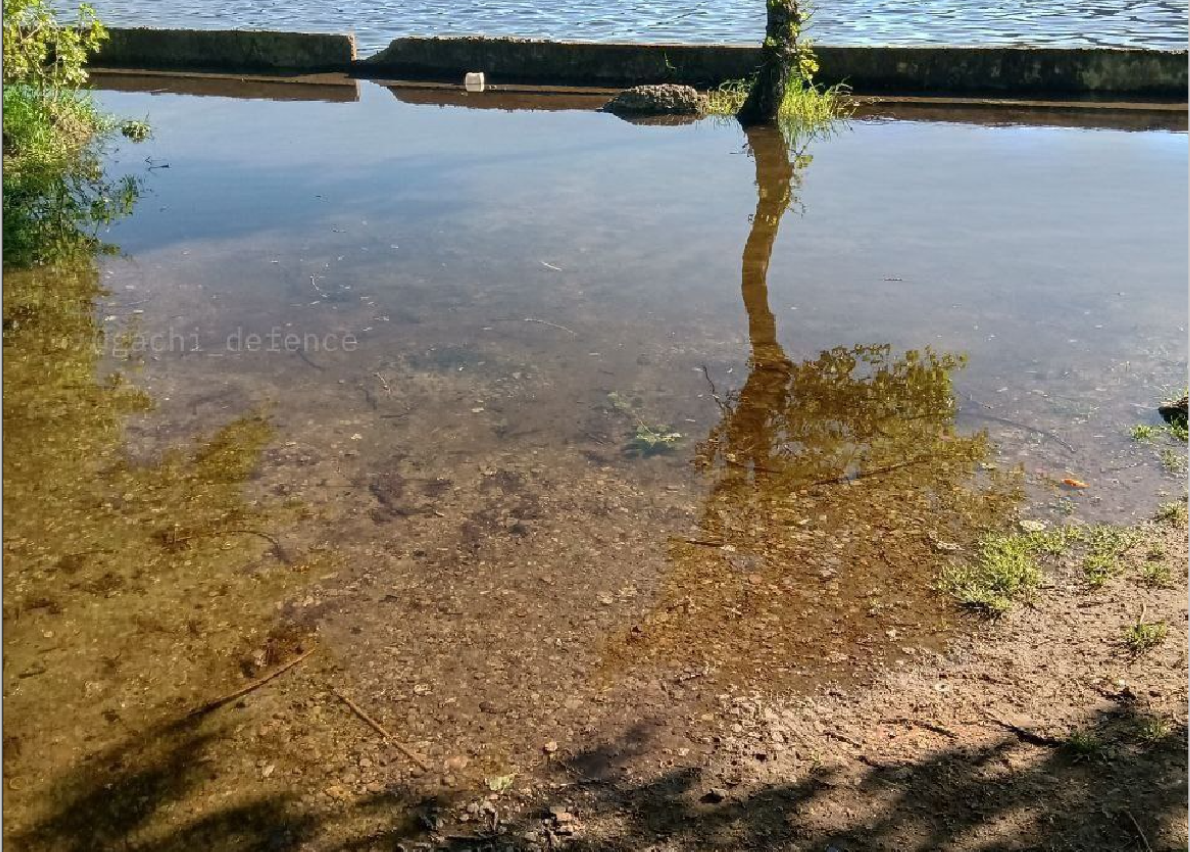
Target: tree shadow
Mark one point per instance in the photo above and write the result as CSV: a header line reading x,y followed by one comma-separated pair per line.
x,y
115,800
1130,796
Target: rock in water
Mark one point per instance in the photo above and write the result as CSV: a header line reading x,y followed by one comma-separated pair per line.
x,y
1175,410
665,99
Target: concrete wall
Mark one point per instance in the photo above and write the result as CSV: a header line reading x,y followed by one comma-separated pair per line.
x,y
1020,72
225,50
935,70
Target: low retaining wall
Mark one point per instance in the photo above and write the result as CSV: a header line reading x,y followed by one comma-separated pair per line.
x,y
936,70
225,50
1020,72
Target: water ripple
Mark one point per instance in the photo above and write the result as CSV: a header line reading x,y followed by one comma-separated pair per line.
x,y
1117,23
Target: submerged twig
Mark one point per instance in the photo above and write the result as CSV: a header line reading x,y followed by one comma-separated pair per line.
x,y
376,726
552,325
244,690
714,392
1004,421
301,353
277,547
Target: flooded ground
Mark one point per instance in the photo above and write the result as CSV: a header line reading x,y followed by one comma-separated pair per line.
x,y
538,425
1116,23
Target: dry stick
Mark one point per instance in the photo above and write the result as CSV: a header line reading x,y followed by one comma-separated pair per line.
x,y
1028,736
244,690
404,749
1139,831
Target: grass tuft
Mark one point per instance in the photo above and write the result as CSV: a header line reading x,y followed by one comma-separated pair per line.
x,y
1083,744
1003,573
1173,512
1145,636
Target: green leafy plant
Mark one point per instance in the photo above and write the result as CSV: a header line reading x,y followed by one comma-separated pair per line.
x,y
56,195
1144,636
1173,512
1003,573
1083,744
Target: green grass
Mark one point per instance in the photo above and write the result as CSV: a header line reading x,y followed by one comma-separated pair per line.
x,y
1174,460
806,110
1105,545
728,97
1145,636
1152,729
1144,432
1003,573
1005,569
1154,573
1173,512
1083,744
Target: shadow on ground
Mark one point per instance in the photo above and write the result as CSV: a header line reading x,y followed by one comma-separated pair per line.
x,y
1010,794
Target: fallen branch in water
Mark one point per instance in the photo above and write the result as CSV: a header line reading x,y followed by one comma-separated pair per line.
x,y
1004,421
244,690
376,726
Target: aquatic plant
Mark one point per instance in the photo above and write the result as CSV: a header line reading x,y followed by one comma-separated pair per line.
x,y
652,440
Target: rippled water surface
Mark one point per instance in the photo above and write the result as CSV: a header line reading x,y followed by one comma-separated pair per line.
x,y
1130,23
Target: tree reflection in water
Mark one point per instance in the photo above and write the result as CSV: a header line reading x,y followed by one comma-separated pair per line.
x,y
838,487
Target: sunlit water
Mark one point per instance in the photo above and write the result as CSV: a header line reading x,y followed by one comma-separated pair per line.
x,y
1125,23
539,418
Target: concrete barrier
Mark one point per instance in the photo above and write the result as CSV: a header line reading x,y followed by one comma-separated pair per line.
x,y
935,70
1006,71
225,50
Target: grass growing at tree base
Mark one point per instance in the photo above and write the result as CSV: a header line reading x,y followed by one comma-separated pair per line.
x,y
807,107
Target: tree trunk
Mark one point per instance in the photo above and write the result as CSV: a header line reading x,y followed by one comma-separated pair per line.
x,y
777,59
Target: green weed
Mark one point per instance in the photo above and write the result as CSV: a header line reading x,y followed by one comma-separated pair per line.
x,y
1144,432
1145,636
1156,574
1173,512
1003,573
1083,744
1152,729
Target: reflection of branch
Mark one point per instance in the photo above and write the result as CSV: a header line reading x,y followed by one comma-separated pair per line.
x,y
839,480
714,393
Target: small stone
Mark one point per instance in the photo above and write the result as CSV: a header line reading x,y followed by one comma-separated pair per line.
x,y
550,747
713,796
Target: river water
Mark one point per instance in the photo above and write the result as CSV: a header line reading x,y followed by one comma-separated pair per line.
x,y
1118,23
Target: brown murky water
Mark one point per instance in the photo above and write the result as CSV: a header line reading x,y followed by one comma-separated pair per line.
x,y
536,421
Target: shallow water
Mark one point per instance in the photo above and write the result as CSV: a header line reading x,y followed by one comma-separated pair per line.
x,y
518,408
1117,23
